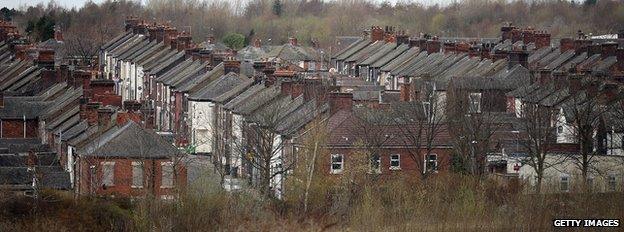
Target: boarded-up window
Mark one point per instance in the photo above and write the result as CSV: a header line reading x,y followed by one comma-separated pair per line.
x,y
137,174
167,174
108,173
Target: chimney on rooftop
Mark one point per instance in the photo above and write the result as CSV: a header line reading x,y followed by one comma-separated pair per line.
x,y
105,116
210,39
257,43
58,34
293,41
91,113
433,45
231,65
377,34
340,101
506,31
542,39
131,22
609,49
566,44
45,58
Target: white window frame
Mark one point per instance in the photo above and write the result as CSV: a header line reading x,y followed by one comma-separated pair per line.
x,y
371,169
426,161
395,158
105,166
163,175
333,170
137,166
471,100
564,178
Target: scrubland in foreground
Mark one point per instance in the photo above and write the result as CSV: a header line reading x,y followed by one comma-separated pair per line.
x,y
443,203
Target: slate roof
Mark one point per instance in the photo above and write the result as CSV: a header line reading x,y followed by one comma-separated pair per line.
x,y
218,87
385,59
129,141
344,131
381,52
352,49
251,53
235,91
18,108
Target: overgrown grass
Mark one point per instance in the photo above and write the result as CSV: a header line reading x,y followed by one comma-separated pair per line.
x,y
443,203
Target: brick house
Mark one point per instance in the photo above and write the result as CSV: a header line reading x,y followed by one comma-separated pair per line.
x,y
389,149
129,161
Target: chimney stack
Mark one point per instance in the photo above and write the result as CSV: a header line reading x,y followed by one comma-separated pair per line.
x,y
45,58
377,34
58,34
566,44
91,113
340,101
293,41
210,39
257,43
105,116
231,65
131,22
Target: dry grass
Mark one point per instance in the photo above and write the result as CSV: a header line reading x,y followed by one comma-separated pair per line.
x,y
446,203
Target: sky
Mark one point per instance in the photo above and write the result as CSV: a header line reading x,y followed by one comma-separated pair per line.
x,y
79,3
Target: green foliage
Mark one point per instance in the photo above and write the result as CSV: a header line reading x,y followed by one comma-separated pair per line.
x,y
7,14
42,28
590,2
234,40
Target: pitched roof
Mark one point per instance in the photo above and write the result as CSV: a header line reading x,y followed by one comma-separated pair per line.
x,y
129,141
218,87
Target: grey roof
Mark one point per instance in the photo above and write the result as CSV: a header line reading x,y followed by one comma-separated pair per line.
x,y
401,59
251,53
381,52
129,141
390,56
21,145
218,87
352,49
256,101
234,91
302,116
18,108
116,40
366,52
202,80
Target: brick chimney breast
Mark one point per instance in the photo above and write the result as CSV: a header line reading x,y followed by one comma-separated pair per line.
x,y
377,33
231,65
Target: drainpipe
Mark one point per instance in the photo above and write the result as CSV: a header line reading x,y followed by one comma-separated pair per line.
x,y
24,125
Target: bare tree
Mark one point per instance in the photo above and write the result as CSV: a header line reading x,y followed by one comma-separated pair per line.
x,y
420,122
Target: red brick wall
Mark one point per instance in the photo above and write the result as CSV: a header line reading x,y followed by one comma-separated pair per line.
x,y
408,165
152,176
14,128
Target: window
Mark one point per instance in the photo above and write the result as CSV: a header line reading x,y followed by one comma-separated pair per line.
x,y
612,182
167,174
559,129
337,163
137,174
431,163
375,164
108,173
564,184
395,162
427,110
475,103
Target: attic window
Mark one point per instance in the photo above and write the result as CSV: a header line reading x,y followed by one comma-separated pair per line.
x,y
474,100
